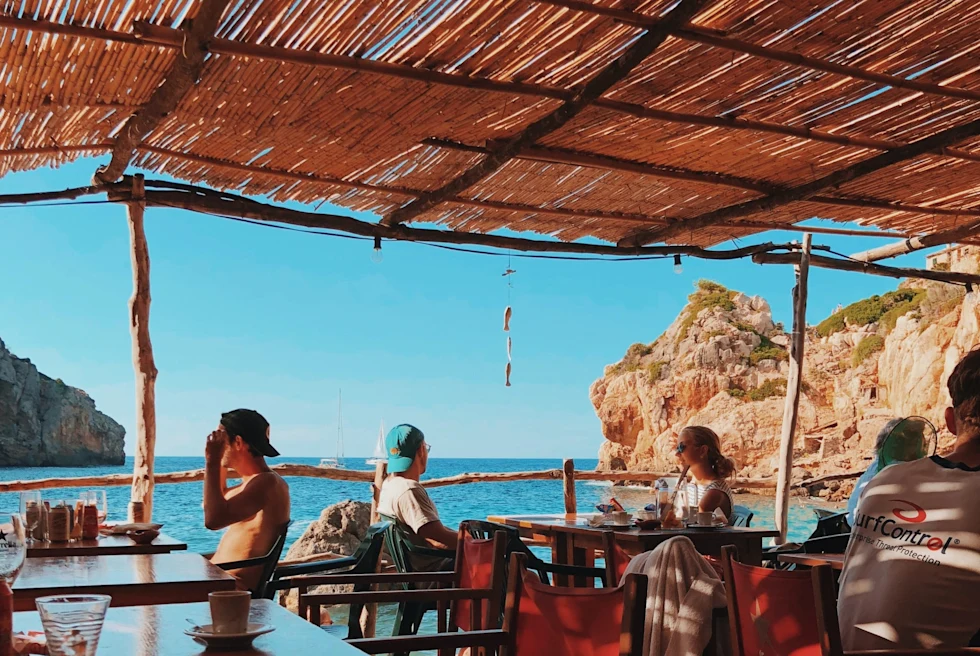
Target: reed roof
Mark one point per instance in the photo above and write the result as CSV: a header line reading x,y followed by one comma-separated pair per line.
x,y
383,105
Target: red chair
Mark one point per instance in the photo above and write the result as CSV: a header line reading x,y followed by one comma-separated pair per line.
x,y
475,560
542,619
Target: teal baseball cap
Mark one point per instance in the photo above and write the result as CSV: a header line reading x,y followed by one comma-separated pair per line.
x,y
402,443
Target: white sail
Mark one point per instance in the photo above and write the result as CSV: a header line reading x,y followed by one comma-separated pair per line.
x,y
379,447
338,462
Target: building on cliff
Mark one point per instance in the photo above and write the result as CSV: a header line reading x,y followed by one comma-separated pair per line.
x,y
44,422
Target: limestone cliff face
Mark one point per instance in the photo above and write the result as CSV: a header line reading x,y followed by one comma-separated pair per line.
x,y
723,363
44,422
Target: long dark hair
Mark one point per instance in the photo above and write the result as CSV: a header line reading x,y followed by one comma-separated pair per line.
x,y
722,466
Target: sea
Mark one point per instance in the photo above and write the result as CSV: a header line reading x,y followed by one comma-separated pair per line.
x,y
178,505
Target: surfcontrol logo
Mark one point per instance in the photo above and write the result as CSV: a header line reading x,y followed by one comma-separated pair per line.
x,y
897,527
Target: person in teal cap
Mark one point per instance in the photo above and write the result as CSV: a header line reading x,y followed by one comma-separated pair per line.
x,y
405,500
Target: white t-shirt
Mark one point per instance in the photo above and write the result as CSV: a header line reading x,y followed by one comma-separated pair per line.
x,y
408,502
911,575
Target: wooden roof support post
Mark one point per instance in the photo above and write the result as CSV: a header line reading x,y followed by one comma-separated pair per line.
x,y
793,384
369,613
568,487
146,371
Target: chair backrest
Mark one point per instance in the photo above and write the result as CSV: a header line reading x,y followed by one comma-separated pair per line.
x,y
479,565
831,524
369,550
617,560
401,547
775,612
542,619
741,516
268,564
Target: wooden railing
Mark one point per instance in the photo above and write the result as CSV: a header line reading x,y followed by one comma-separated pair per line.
x,y
567,474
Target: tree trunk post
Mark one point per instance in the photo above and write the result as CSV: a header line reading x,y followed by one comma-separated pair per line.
x,y
568,486
793,384
369,614
145,369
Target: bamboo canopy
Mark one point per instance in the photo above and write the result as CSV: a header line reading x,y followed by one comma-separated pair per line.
x,y
687,122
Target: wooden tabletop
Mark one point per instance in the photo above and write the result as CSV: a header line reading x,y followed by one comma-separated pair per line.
x,y
835,560
132,580
159,631
578,524
105,545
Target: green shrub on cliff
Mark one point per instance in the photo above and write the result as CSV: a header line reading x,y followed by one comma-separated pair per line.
x,y
871,310
867,346
709,295
654,369
770,388
631,361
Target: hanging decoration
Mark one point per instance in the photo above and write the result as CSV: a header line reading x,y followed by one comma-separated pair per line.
x,y
508,312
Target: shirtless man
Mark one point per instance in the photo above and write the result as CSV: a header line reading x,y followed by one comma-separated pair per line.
x,y
255,511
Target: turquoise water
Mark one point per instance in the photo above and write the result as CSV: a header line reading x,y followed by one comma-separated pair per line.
x,y
178,506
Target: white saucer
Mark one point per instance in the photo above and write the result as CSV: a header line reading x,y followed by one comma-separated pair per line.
x,y
205,633
715,525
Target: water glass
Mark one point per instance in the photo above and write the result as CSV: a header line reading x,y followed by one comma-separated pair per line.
x,y
73,623
13,548
30,510
97,498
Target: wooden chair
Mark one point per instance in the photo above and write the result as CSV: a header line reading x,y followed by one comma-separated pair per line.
x,y
802,604
364,560
268,563
741,516
538,619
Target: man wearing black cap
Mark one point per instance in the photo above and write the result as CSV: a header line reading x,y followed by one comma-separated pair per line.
x,y
255,511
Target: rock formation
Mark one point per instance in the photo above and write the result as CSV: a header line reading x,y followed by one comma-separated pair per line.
x,y
723,363
339,530
44,422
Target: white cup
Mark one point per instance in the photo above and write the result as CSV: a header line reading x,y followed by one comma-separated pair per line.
x,y
706,518
621,518
229,610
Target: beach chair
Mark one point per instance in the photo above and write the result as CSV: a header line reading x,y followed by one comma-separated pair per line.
x,y
741,516
544,619
267,562
364,560
829,536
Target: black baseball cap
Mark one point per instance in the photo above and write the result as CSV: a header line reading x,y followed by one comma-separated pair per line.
x,y
251,427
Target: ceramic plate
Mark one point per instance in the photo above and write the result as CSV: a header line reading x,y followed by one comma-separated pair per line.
x,y
228,641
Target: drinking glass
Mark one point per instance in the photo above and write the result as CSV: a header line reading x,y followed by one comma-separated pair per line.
x,y
30,511
73,623
97,498
13,548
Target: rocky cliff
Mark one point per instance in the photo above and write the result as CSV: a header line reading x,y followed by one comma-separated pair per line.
x,y
723,363
44,422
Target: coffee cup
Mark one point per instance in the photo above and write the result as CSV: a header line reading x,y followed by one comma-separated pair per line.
x,y
706,519
229,610
621,518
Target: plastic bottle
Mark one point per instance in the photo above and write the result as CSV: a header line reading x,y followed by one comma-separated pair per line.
x,y
6,619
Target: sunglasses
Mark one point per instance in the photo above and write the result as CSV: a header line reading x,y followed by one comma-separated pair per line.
x,y
681,447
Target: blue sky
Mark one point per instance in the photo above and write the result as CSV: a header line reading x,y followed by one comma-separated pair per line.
x,y
247,316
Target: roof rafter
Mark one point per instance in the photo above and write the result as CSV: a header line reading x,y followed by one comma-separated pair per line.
x,y
810,189
504,151
576,158
156,35
183,74
712,38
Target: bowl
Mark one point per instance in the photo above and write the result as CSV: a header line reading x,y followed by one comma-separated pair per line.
x,y
143,537
648,524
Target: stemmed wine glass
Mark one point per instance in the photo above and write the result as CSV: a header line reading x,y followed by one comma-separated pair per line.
x,y
13,548
30,510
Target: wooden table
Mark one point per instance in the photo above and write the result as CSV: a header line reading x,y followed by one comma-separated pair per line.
x,y
835,560
105,545
159,631
573,541
131,580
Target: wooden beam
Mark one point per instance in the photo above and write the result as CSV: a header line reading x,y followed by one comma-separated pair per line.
x,y
215,203
606,163
43,196
504,151
763,225
810,189
183,74
867,267
711,37
145,368
791,408
918,243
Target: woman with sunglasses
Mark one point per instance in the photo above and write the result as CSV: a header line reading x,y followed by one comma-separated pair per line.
x,y
699,448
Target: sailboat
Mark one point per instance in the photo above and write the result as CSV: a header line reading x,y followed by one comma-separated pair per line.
x,y
379,448
338,462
